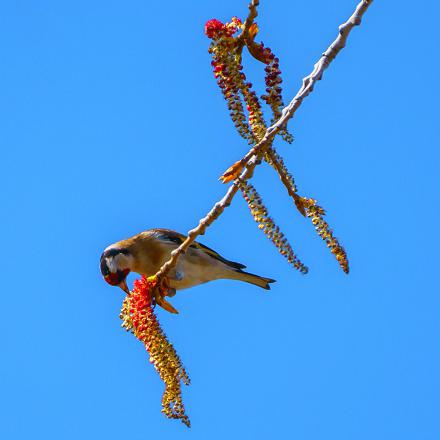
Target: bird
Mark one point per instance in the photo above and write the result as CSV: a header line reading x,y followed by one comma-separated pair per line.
x,y
147,251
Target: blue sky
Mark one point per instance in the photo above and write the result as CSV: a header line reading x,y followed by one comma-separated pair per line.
x,y
111,123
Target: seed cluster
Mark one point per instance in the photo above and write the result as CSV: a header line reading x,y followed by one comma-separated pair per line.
x,y
226,50
316,214
267,225
228,41
273,80
308,208
138,317
226,62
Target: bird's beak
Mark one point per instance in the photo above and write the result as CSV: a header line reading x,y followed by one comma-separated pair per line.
x,y
124,287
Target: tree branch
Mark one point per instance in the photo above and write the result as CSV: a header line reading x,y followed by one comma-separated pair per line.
x,y
250,18
253,157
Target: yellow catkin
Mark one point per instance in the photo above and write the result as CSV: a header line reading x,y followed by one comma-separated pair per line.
x,y
316,214
308,208
268,226
138,317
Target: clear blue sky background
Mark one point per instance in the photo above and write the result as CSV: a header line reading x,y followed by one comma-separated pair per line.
x,y
111,123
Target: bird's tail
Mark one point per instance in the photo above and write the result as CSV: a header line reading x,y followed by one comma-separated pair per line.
x,y
251,278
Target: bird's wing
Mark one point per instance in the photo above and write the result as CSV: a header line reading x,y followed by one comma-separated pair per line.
x,y
178,239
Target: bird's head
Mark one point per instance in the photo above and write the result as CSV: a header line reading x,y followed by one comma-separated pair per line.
x,y
115,266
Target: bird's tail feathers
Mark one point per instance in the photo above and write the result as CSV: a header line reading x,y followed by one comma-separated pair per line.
x,y
251,278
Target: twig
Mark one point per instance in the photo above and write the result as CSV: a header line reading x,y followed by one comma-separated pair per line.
x,y
250,18
244,36
253,157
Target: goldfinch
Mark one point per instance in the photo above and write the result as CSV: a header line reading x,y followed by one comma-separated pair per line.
x,y
146,252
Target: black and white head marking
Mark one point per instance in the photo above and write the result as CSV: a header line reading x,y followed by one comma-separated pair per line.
x,y
114,259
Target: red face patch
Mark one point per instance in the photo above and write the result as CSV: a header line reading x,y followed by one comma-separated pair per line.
x,y
115,278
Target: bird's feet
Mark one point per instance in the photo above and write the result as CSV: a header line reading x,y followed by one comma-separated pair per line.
x,y
161,290
171,292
